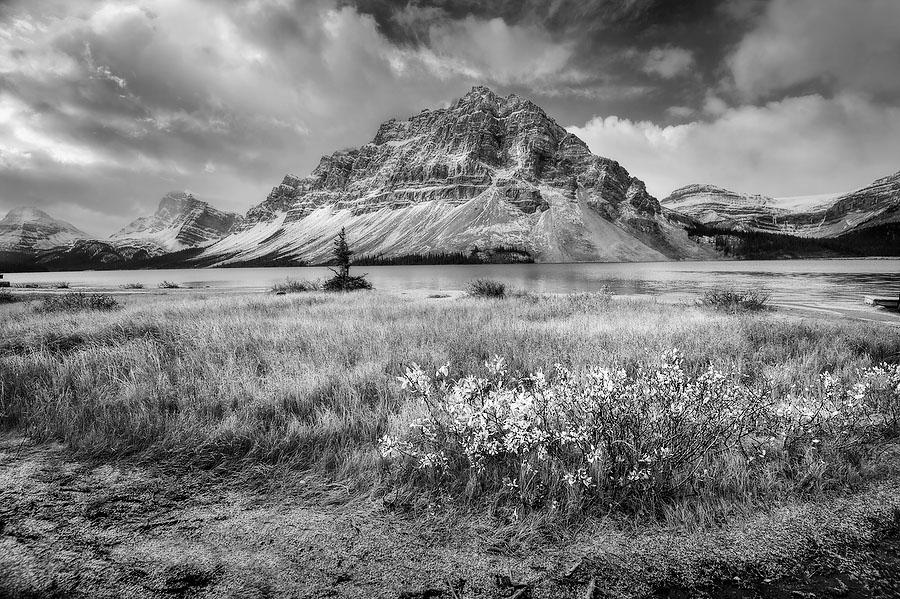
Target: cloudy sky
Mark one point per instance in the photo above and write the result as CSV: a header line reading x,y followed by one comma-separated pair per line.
x,y
107,105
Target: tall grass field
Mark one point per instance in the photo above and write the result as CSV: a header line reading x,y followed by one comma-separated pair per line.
x,y
560,406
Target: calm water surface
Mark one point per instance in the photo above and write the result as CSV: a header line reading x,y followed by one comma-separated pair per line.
x,y
826,285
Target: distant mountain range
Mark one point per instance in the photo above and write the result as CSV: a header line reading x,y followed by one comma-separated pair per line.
x,y
489,178
26,232
862,222
31,238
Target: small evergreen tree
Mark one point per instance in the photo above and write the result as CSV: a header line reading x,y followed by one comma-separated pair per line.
x,y
342,255
342,280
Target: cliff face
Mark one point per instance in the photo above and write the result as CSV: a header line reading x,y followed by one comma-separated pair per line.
x,y
813,217
487,171
181,221
874,205
27,231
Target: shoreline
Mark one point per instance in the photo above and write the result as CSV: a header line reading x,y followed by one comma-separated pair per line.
x,y
226,267
832,313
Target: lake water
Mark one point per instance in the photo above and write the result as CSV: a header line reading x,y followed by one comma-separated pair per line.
x,y
834,286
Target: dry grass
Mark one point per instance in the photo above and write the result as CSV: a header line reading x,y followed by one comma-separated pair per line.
x,y
736,300
486,288
309,383
296,286
74,302
50,285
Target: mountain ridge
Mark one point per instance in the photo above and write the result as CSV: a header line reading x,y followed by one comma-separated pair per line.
x,y
25,231
486,171
181,221
488,178
31,238
828,216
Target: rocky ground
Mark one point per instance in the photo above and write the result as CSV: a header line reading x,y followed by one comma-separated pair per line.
x,y
74,528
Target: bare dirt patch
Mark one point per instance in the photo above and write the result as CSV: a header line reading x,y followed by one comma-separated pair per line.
x,y
71,528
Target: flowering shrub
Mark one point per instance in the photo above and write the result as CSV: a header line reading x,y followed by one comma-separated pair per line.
x,y
848,415
602,433
620,438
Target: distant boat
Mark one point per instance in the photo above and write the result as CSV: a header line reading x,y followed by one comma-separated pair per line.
x,y
892,303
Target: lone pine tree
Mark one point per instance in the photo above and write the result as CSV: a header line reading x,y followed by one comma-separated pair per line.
x,y
342,279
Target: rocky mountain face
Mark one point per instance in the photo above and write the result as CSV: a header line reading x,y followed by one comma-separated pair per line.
x,y
487,172
181,221
24,232
835,216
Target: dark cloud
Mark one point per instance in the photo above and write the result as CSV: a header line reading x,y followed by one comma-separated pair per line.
x,y
627,17
610,40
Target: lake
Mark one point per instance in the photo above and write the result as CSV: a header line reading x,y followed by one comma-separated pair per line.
x,y
835,286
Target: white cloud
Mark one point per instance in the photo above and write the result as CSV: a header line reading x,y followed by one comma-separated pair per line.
x,y
797,146
23,139
854,45
668,62
115,105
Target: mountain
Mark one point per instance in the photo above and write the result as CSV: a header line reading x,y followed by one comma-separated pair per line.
x,y
86,254
181,221
828,216
488,172
24,232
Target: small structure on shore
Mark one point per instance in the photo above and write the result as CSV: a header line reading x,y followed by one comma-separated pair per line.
x,y
2,282
891,303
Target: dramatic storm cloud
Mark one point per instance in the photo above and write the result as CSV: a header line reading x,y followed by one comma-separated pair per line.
x,y
105,106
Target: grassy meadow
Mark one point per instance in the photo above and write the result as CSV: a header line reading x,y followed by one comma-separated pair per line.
x,y
309,385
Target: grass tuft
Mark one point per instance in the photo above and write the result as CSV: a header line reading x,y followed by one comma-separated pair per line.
x,y
295,286
169,285
486,288
133,286
7,297
74,302
735,301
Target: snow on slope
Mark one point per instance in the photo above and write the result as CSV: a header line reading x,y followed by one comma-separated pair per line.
x,y
817,216
181,221
566,232
806,203
29,230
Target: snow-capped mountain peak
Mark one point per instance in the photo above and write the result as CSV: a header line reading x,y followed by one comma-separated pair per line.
x,y
486,172
26,230
180,221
